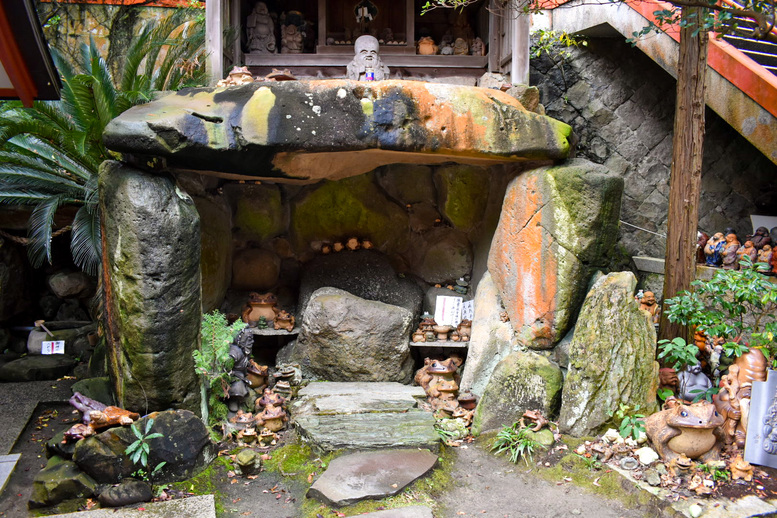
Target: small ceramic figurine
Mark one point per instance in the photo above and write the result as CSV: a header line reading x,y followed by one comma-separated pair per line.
x,y
460,47
442,332
260,305
701,241
748,250
111,416
237,76
648,303
257,375
291,39
692,382
765,255
730,252
284,320
77,432
713,250
366,64
422,377
667,379
240,351
273,418
260,30
741,469
267,438
761,238
478,48
685,429
426,46
465,330
269,397
728,405
352,244
446,49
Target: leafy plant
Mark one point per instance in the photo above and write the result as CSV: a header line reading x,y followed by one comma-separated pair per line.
x,y
591,463
213,363
139,451
556,46
50,153
737,305
631,423
704,394
678,353
515,442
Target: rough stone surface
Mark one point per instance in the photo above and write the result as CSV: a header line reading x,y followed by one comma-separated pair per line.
x,y
407,183
260,213
13,270
336,211
522,381
71,285
37,368
413,511
71,309
184,445
302,129
152,242
374,475
192,507
365,273
347,338
625,122
444,255
255,269
557,225
363,416
491,339
611,358
60,480
95,388
127,492
216,246
462,194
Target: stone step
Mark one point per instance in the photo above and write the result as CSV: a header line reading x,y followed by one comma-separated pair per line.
x,y
363,416
371,475
7,465
192,507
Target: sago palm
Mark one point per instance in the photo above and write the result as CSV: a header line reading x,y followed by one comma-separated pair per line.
x,y
50,153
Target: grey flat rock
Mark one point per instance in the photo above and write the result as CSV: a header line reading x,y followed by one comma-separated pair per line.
x,y
359,476
7,465
193,507
37,368
415,511
353,398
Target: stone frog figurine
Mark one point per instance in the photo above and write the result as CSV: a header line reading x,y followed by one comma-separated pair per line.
x,y
686,429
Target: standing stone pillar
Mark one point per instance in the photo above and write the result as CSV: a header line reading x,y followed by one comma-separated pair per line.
x,y
151,277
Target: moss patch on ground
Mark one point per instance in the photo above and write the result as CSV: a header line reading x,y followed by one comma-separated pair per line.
x,y
207,482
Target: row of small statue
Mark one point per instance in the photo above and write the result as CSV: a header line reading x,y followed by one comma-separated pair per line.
x,y
430,331
384,37
724,249
260,31
262,311
450,47
440,380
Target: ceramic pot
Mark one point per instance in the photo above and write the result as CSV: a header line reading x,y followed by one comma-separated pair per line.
x,y
442,332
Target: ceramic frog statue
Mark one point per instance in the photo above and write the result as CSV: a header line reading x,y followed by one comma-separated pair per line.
x,y
686,429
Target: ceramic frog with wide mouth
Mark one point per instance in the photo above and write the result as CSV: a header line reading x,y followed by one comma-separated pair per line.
x,y
686,429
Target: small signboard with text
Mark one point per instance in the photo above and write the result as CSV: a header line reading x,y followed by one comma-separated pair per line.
x,y
53,347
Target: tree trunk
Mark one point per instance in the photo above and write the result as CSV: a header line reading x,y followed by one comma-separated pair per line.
x,y
685,179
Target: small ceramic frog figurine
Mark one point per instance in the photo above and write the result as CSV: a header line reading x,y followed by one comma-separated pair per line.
x,y
685,429
284,320
426,46
740,468
273,418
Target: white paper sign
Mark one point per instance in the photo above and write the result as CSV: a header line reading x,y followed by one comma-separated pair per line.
x,y
57,347
468,310
447,311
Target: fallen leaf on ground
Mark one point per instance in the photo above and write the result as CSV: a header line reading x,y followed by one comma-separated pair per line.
x,y
596,482
230,474
233,481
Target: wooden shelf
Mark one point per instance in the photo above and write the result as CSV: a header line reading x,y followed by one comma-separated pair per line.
x,y
272,332
440,344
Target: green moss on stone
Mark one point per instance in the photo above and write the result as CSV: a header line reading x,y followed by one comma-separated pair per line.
x,y
462,194
260,213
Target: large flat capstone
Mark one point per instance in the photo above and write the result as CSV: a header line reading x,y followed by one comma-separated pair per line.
x,y
377,474
363,416
310,130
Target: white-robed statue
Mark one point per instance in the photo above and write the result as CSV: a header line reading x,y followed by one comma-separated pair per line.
x,y
367,59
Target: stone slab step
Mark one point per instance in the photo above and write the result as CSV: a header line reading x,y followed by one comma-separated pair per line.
x,y
374,475
193,507
7,465
363,416
413,511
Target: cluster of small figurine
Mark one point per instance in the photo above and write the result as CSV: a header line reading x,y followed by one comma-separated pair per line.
x,y
260,31
242,76
450,47
262,311
352,244
723,249
461,286
440,380
429,331
385,37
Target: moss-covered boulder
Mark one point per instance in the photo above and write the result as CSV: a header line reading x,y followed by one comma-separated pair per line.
x,y
216,246
522,381
443,254
462,194
60,480
611,358
407,183
557,226
334,211
312,130
152,246
260,213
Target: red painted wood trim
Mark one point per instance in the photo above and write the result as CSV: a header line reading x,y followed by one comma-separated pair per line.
x,y
13,63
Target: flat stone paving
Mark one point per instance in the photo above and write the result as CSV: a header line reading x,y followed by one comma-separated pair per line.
x,y
193,507
375,475
7,465
363,416
415,511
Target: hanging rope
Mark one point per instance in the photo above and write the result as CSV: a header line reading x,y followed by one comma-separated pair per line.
x,y
26,240
643,229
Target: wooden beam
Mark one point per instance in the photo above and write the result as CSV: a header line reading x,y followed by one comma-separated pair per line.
x,y
214,40
13,62
519,68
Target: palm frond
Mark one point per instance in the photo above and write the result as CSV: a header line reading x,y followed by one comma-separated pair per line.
x,y
85,241
40,230
82,166
15,196
47,180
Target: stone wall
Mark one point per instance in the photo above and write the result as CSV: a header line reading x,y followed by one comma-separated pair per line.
x,y
621,106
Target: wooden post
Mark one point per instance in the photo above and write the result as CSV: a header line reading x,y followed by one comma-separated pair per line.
x,y
520,41
214,40
685,176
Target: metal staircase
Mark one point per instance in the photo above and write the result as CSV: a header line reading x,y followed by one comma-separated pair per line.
x,y
761,51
